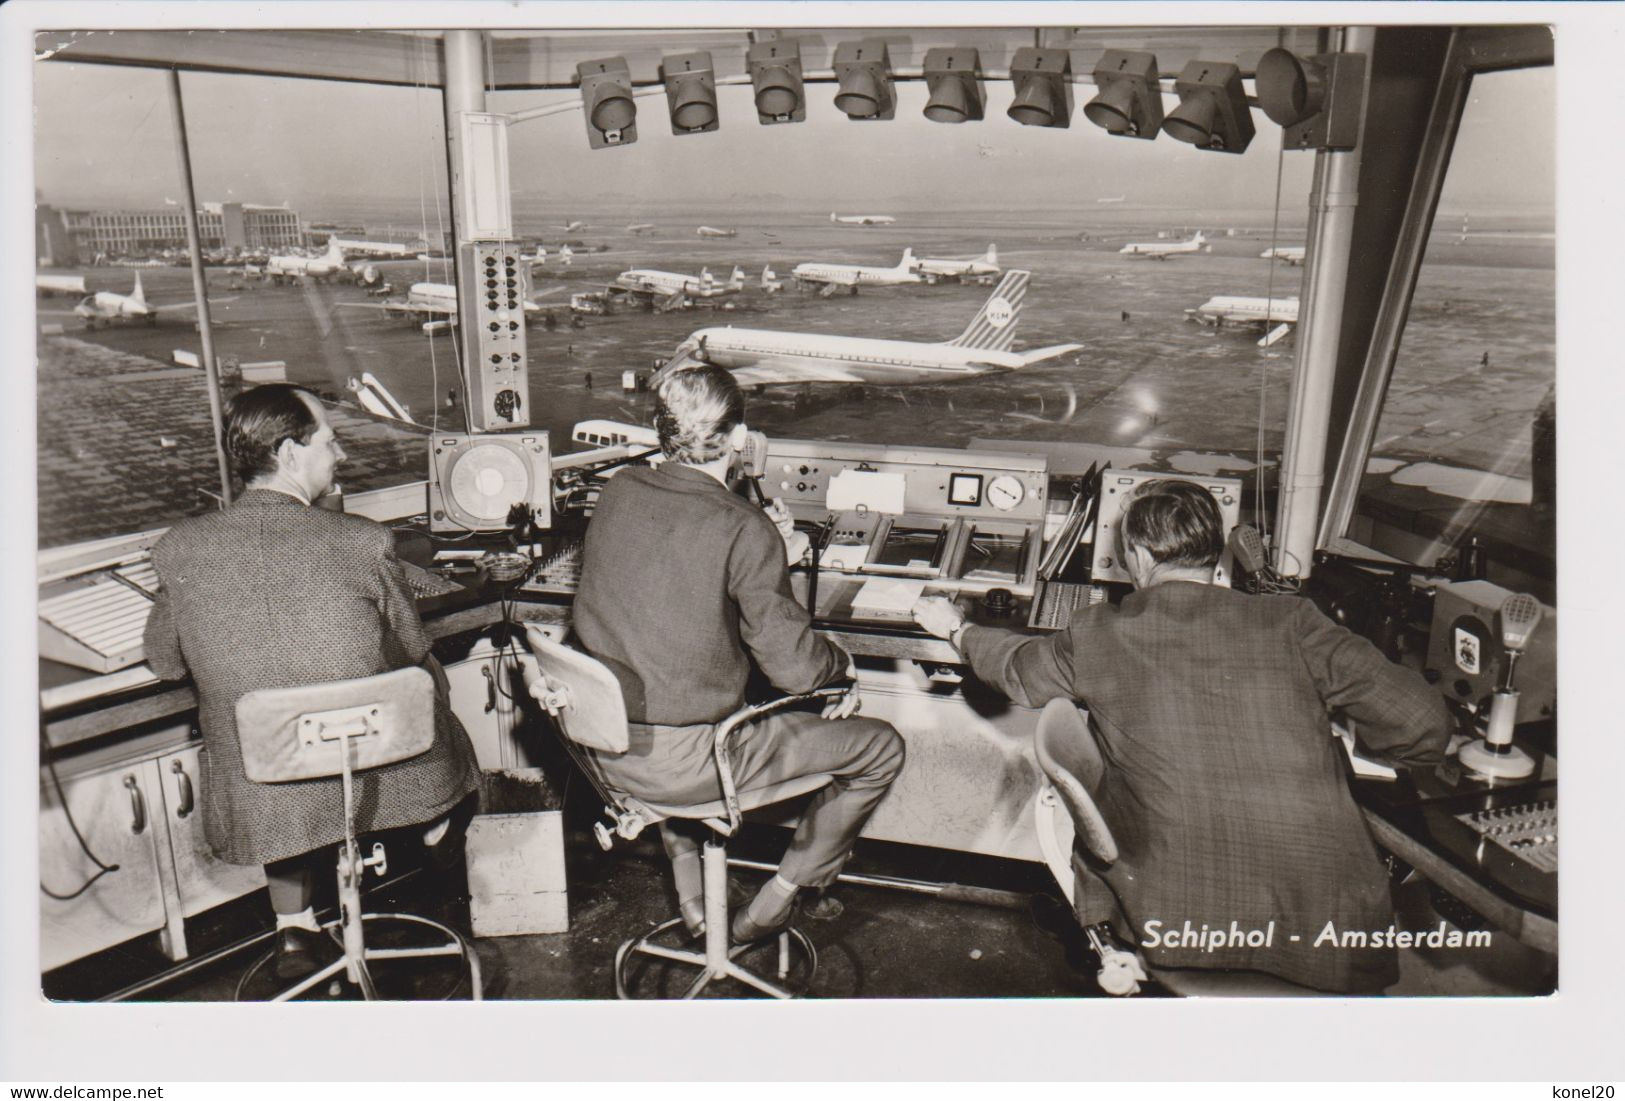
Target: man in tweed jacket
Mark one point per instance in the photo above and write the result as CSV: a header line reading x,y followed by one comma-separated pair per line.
x,y
1223,787
275,592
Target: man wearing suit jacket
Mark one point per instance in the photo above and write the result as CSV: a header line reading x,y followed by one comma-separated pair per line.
x,y
683,583
1223,786
275,592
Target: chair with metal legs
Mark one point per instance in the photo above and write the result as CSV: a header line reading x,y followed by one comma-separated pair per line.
x,y
1071,760
1066,751
584,699
339,728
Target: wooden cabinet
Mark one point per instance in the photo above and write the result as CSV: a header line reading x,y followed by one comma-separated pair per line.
x,y
115,810
485,688
202,880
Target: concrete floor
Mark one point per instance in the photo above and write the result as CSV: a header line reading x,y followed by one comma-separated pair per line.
x,y
881,943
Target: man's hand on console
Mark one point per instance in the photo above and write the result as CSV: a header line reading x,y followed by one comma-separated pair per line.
x,y
844,707
940,616
796,543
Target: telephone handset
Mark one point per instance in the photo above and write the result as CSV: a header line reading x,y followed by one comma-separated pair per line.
x,y
753,456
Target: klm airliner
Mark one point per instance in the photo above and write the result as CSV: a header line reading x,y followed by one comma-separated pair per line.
x,y
765,357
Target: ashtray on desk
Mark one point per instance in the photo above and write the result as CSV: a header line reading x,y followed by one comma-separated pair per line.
x,y
504,565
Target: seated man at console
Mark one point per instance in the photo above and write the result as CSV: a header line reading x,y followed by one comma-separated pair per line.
x,y
276,592
1223,786
683,584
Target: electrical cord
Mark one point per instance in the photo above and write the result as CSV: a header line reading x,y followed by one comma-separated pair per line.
x,y
56,782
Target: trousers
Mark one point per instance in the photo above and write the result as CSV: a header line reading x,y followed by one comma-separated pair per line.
x,y
674,764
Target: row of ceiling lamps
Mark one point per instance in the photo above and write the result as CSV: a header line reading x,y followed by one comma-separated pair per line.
x,y
1316,98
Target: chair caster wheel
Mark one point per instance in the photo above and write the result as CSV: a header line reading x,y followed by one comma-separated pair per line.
x,y
1121,974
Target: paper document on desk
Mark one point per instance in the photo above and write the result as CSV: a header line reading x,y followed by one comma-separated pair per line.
x,y
888,597
1363,766
866,490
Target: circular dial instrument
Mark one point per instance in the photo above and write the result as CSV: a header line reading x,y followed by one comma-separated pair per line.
x,y
487,480
1005,492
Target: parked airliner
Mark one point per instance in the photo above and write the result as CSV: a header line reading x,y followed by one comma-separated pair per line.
x,y
831,277
669,290
862,219
1292,254
982,269
109,306
1161,250
1249,312
759,357
328,265
434,303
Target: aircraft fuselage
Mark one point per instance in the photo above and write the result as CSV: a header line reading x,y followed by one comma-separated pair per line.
x,y
816,357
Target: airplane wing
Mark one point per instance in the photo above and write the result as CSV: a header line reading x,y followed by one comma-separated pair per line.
x,y
398,307
840,279
761,375
190,305
1038,355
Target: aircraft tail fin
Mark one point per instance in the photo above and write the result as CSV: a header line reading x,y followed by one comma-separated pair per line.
x,y
994,326
991,256
137,293
832,217
907,263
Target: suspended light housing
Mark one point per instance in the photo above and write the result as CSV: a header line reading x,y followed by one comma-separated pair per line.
x,y
863,71
775,74
1043,84
953,75
691,92
606,102
1212,111
1316,99
1128,102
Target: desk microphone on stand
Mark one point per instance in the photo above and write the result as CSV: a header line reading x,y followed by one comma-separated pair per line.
x,y
1495,756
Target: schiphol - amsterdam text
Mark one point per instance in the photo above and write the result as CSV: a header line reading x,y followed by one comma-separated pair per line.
x,y
1210,939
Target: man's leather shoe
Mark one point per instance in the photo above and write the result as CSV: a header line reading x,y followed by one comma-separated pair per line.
x,y
745,930
297,952
693,910
442,856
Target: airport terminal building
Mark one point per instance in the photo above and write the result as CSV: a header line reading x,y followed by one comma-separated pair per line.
x,y
81,234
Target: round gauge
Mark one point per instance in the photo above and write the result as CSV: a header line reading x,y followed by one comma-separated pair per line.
x,y
487,480
1005,492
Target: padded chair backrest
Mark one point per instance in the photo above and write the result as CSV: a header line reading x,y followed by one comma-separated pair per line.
x,y
1069,756
595,714
297,733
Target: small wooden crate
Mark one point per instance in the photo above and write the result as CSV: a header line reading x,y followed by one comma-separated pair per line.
x,y
516,858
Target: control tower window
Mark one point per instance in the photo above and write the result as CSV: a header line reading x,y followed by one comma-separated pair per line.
x,y
1465,447
282,169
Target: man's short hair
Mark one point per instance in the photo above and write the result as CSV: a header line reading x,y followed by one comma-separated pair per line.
x,y
258,420
1177,521
695,410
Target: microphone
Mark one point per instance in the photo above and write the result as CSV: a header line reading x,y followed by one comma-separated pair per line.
x,y
1247,546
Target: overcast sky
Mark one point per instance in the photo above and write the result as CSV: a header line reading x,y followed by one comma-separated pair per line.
x,y
104,137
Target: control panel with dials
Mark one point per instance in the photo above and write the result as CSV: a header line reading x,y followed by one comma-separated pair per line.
x,y
962,522
495,288
937,481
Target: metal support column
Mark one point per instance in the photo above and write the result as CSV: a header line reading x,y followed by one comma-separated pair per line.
x,y
464,91
1333,201
200,286
1449,101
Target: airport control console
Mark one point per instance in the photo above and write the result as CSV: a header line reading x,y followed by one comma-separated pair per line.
x,y
1015,546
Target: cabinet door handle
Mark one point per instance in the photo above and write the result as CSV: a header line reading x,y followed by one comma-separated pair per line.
x,y
490,689
138,806
183,789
